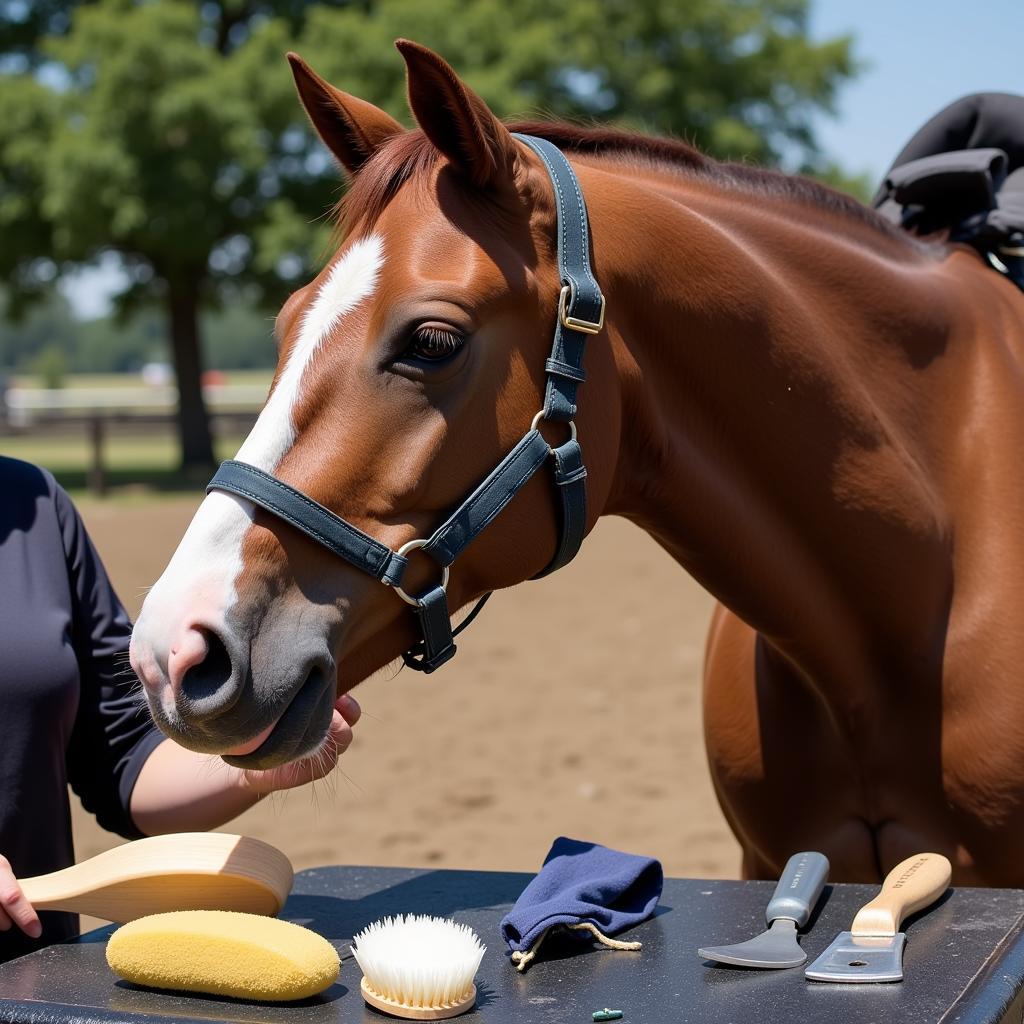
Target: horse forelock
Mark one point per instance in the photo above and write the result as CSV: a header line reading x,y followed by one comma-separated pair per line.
x,y
403,158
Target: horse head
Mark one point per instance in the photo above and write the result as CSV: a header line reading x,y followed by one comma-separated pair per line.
x,y
407,369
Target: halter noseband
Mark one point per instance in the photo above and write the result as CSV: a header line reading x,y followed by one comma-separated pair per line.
x,y
580,313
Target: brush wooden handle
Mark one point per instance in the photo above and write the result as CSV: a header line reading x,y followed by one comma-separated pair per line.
x,y
396,1009
184,871
911,885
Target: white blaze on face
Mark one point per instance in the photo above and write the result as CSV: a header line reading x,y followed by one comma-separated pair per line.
x,y
199,580
350,281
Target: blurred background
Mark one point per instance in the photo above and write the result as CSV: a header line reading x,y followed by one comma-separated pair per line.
x,y
161,194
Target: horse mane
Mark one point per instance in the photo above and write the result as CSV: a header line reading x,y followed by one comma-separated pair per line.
x,y
412,155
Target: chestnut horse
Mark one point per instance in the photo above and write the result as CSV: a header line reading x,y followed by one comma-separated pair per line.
x,y
818,416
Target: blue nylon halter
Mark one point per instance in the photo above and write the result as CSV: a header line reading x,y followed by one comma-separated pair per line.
x,y
580,314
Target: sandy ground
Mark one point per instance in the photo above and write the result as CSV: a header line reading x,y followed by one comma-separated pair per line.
x,y
484,763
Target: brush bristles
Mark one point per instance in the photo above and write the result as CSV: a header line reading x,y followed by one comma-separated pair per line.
x,y
418,961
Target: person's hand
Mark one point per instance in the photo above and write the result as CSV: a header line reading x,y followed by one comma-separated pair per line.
x,y
14,908
317,765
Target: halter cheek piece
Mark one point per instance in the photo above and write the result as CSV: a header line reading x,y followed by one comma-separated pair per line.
x,y
580,313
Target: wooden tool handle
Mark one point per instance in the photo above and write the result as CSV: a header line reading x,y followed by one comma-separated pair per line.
x,y
181,871
911,885
45,892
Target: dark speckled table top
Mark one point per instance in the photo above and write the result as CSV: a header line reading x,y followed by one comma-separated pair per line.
x,y
964,961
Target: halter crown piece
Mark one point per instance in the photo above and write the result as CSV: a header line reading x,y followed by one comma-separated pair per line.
x,y
580,313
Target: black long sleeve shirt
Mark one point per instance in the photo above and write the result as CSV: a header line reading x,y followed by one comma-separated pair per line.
x,y
70,709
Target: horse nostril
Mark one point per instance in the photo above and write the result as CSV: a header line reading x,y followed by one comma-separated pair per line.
x,y
209,680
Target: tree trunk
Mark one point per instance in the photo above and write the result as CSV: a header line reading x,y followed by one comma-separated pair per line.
x,y
193,421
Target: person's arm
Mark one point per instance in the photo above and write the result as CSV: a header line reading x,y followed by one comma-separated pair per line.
x,y
113,734
181,791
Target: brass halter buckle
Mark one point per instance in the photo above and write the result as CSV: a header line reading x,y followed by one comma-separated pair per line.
x,y
412,545
574,323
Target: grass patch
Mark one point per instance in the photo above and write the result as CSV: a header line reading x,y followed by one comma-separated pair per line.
x,y
137,468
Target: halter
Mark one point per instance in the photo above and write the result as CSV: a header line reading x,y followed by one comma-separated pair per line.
x,y
580,313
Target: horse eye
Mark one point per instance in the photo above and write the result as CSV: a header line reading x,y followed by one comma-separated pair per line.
x,y
434,344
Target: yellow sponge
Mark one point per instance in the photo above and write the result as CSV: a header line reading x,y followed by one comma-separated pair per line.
x,y
224,953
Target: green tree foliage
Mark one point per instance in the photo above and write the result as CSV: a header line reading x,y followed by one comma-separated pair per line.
x,y
23,23
741,79
169,132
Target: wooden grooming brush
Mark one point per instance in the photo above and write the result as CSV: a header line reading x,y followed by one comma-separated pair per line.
x,y
183,871
418,967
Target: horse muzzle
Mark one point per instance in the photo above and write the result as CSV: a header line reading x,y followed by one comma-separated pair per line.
x,y
202,693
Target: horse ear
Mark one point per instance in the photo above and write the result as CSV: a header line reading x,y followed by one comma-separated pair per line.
x,y
351,128
455,119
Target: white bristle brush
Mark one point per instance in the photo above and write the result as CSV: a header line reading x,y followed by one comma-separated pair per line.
x,y
418,967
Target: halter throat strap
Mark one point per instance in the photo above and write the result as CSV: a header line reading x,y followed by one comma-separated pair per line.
x,y
580,314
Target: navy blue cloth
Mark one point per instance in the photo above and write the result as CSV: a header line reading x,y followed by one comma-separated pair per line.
x,y
584,882
69,705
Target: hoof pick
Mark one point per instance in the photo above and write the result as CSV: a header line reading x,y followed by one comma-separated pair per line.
x,y
789,909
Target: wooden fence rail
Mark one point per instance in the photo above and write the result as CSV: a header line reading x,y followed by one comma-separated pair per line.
x,y
95,411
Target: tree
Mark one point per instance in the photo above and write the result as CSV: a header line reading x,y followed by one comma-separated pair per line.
x,y
170,133
183,151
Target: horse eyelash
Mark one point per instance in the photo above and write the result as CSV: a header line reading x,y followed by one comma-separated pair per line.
x,y
445,342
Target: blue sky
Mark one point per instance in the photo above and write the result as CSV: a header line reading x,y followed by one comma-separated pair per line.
x,y
917,56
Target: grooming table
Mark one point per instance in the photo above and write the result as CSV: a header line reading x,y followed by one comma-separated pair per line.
x,y
964,961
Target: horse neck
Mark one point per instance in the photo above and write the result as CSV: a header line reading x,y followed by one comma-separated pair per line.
x,y
779,368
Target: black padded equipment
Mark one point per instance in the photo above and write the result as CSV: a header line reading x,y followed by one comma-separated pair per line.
x,y
963,173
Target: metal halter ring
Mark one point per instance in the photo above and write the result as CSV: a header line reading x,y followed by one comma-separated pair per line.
x,y
571,424
412,545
